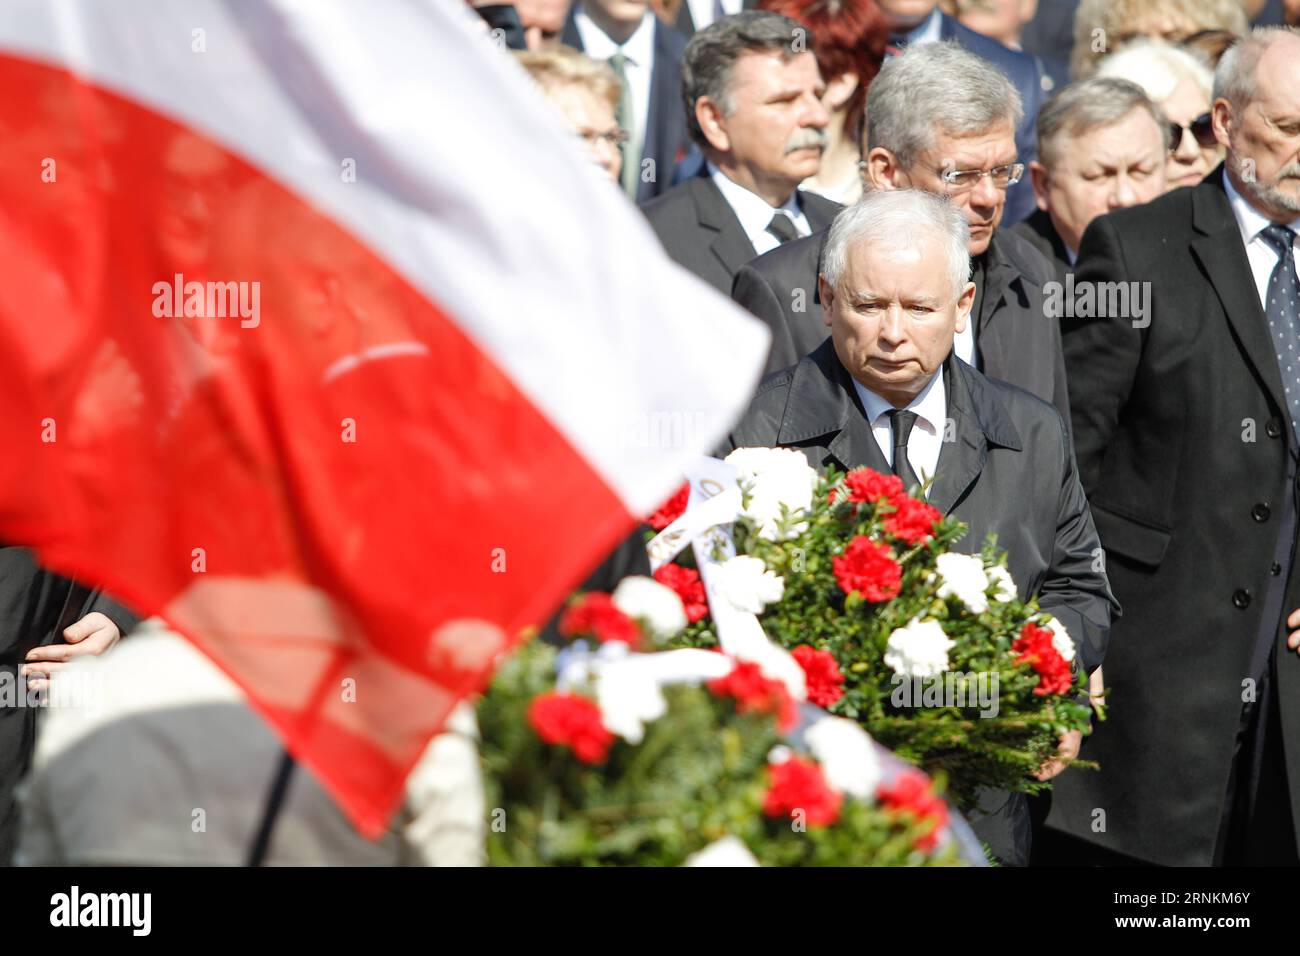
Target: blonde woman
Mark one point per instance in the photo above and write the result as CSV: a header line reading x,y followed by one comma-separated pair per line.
x,y
586,92
1104,27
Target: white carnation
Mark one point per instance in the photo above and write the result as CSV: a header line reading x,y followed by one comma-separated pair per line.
x,y
747,584
769,479
629,697
918,650
846,754
1061,639
1006,586
657,607
729,851
964,578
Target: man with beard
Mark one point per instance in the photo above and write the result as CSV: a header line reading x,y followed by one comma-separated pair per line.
x,y
752,93
1185,425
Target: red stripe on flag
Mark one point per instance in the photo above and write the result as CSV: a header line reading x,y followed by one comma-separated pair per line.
x,y
194,439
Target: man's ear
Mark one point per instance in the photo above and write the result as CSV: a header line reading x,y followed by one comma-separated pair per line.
x,y
884,170
713,124
827,296
965,302
839,90
1221,116
1038,179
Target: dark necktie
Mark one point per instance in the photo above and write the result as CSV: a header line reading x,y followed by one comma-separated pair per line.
x,y
782,226
1282,308
718,11
900,424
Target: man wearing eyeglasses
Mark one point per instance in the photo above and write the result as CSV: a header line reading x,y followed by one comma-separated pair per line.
x,y
942,119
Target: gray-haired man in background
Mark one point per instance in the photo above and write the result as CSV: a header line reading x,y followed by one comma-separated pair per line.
x,y
1101,146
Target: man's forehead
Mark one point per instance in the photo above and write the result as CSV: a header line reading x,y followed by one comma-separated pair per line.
x,y
877,265
775,68
998,139
1277,80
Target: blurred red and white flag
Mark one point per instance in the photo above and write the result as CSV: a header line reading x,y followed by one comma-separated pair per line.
x,y
320,337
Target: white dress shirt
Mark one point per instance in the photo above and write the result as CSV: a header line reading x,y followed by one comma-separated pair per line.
x,y
702,11
926,440
1263,257
755,214
640,52
928,30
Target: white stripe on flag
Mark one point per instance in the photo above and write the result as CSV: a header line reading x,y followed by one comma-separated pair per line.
x,y
465,181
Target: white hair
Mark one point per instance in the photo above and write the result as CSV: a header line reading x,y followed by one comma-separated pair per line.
x,y
1158,68
936,87
899,219
1234,79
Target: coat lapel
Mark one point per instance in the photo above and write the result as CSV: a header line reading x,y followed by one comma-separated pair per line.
x,y
1223,257
656,123
978,419
570,36
999,278
731,246
823,404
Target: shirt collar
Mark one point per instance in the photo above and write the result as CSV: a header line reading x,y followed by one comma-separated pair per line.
x,y
927,31
1250,220
750,208
931,406
639,48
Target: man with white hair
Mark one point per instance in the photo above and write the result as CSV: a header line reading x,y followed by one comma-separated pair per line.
x,y
941,119
752,92
1186,429
887,390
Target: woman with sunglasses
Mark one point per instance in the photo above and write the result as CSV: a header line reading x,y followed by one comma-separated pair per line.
x,y
1179,83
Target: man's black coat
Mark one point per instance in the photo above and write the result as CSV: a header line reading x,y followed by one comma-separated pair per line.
x,y
666,138
1008,470
700,231
1182,436
32,603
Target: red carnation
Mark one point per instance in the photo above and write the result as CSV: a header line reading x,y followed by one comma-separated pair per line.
x,y
870,486
595,614
867,568
798,788
686,582
1034,647
568,720
913,521
670,510
755,693
910,793
821,674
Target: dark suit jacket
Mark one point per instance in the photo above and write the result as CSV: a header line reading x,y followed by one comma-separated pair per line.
x,y
666,138
1010,471
1025,72
32,604
700,231
1016,341
1182,438
1039,232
